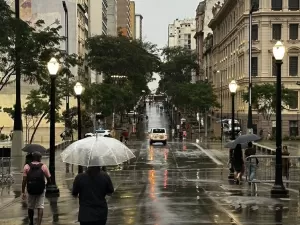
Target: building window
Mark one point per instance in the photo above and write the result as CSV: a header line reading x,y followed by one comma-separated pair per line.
x,y
293,127
274,67
276,28
293,65
254,66
294,31
276,5
293,4
255,5
254,32
294,105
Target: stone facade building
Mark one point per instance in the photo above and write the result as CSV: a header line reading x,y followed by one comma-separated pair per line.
x,y
203,17
274,20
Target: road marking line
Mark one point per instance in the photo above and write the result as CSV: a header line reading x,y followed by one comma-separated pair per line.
x,y
215,160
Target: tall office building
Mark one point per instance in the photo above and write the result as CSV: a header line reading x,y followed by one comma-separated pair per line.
x,y
132,19
181,33
98,25
203,17
98,17
123,19
112,17
138,26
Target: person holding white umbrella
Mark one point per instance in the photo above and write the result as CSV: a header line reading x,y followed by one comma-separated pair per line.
x,y
92,187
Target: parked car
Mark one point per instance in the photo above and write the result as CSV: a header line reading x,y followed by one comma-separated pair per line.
x,y
158,135
89,135
103,133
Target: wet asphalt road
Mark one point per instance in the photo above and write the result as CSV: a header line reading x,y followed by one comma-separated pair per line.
x,y
180,183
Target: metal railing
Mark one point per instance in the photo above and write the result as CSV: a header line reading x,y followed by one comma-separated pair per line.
x,y
5,170
264,149
262,168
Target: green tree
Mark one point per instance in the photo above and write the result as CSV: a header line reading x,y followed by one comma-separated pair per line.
x,y
198,97
134,59
264,99
87,123
177,67
109,98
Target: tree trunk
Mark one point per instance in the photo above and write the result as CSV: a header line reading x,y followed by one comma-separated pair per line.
x,y
36,127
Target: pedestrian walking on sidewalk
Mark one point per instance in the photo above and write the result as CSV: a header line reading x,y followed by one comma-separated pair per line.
x,y
125,134
251,163
238,163
92,187
34,175
286,163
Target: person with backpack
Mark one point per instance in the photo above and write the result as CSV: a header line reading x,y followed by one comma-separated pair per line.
x,y
34,175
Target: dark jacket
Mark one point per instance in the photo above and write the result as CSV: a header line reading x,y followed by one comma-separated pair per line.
x,y
92,191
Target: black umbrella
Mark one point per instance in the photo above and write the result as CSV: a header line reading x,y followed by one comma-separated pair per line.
x,y
30,148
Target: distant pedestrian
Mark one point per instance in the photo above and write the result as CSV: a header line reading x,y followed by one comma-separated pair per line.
x,y
125,134
251,163
286,163
92,187
238,163
34,179
184,133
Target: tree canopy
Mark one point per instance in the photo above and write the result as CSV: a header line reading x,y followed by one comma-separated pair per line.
x,y
175,71
120,55
264,98
109,98
134,61
178,65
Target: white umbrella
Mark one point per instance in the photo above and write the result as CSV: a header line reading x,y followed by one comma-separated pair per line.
x,y
97,151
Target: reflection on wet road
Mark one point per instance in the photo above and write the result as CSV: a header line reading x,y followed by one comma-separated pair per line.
x,y
164,185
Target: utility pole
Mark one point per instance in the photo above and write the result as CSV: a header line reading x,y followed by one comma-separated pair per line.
x,y
17,139
67,120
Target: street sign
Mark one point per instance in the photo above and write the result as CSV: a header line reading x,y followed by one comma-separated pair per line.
x,y
198,117
178,127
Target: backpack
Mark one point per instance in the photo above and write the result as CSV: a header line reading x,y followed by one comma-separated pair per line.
x,y
35,179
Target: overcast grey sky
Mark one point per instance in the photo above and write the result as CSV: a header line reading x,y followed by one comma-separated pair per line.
x,y
157,15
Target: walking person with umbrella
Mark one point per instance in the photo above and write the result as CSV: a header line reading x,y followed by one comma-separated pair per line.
x,y
238,163
91,187
30,148
34,175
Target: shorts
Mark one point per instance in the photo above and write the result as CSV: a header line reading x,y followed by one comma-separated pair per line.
x,y
36,201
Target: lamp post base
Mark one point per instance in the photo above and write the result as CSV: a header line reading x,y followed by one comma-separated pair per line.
x,y
279,191
52,190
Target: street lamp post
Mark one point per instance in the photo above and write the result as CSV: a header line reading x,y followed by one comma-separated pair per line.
x,y
144,96
134,110
232,89
67,120
78,89
278,189
17,138
221,102
53,67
